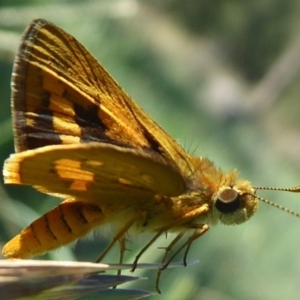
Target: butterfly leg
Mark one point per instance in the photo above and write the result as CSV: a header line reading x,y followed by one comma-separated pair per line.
x,y
119,236
197,233
191,239
183,219
167,251
156,236
170,246
122,243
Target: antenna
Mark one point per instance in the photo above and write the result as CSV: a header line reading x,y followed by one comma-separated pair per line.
x,y
295,189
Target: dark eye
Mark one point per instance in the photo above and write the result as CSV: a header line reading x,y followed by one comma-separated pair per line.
x,y
228,201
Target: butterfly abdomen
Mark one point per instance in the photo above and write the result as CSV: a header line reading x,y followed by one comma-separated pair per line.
x,y
60,226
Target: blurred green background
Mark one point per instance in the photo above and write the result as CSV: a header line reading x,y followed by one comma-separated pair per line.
x,y
222,77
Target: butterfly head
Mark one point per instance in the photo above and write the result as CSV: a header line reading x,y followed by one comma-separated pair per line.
x,y
235,204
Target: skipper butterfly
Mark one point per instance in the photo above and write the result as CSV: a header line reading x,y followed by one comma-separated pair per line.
x,y
80,137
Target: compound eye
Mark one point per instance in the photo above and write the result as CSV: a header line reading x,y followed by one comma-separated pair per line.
x,y
228,201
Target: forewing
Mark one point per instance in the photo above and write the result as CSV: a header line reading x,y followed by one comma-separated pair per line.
x,y
95,172
62,95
